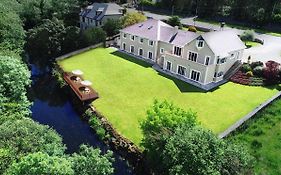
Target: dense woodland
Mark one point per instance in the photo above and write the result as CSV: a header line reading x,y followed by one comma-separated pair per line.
x,y
259,12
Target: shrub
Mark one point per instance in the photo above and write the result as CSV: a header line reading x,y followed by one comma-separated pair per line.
x,y
256,64
58,77
192,29
258,71
256,144
98,127
146,3
277,18
271,72
246,68
174,21
88,114
257,132
248,35
249,74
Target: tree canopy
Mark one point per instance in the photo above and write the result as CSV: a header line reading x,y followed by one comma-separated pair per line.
x,y
132,18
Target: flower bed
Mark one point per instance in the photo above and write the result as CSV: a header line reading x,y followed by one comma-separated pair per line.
x,y
242,78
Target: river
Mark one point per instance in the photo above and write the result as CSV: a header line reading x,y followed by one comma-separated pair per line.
x,y
52,107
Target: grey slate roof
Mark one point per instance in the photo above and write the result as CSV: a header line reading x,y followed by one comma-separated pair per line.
x,y
105,8
223,42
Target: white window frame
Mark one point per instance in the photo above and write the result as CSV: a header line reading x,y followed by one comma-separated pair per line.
x,y
132,36
149,43
161,50
131,49
198,41
194,53
148,55
166,63
178,70
124,35
139,52
123,46
140,40
207,56
181,51
197,72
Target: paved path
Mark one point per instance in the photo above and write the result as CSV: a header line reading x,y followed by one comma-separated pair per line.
x,y
271,50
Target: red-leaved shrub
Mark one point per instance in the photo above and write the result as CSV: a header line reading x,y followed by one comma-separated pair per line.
x,y
271,72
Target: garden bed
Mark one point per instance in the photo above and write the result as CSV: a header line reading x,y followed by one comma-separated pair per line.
x,y
242,78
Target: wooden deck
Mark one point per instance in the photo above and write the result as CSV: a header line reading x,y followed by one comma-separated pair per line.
x,y
84,93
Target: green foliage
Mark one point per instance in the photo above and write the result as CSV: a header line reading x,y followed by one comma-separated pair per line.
x,y
44,41
58,76
249,74
14,80
71,39
90,161
248,35
175,21
258,71
162,119
41,163
245,68
97,126
93,36
192,29
112,27
132,18
12,34
146,2
256,64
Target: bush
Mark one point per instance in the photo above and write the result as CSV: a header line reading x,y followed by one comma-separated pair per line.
x,y
248,35
249,74
277,18
246,68
256,144
93,36
258,71
98,127
271,72
174,21
192,29
146,3
58,76
256,64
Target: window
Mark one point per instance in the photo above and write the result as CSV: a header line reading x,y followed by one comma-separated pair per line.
x,y
200,43
150,55
132,49
177,51
168,66
220,74
141,40
207,60
161,50
192,56
223,60
181,70
150,43
195,75
83,19
124,35
100,22
124,46
132,37
140,52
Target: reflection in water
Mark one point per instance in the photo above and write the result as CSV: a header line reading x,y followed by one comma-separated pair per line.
x,y
51,107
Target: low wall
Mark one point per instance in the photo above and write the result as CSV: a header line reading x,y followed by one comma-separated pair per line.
x,y
79,51
239,123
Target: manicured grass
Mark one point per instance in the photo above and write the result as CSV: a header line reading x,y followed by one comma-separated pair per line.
x,y
262,136
127,88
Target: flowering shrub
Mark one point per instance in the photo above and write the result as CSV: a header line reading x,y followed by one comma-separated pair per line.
x,y
271,72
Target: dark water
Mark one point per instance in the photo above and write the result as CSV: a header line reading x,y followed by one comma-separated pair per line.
x,y
52,107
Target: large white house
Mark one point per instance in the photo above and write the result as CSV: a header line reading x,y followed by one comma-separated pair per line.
x,y
202,59
97,14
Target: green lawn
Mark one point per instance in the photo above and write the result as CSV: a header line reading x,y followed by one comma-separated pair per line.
x,y
128,87
263,139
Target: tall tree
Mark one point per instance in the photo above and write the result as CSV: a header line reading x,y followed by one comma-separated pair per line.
x,y
132,18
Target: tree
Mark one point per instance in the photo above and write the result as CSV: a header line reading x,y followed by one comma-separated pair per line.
x,y
132,18
112,27
12,34
194,150
162,119
71,39
41,163
174,21
14,80
93,36
90,161
44,42
248,35
271,72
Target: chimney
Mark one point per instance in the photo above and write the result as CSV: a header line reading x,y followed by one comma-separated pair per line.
x,y
176,29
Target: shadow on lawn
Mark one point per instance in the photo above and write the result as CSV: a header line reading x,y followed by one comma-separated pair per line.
x,y
183,86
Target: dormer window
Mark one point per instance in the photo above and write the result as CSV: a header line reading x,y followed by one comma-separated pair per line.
x,y
200,43
177,51
132,37
124,35
141,40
